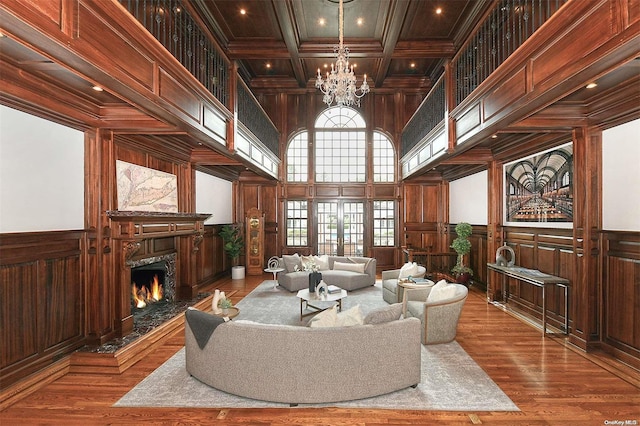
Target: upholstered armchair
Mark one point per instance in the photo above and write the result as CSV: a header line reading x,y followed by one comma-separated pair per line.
x,y
438,307
390,291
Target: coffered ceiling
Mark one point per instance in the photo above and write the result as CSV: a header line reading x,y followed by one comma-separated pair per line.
x,y
394,42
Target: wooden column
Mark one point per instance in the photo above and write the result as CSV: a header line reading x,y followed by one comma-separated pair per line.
x,y
494,227
585,299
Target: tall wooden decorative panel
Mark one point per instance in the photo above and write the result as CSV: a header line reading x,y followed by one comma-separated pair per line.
x,y
255,242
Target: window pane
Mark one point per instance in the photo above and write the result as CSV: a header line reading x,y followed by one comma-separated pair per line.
x,y
383,158
383,223
297,158
296,223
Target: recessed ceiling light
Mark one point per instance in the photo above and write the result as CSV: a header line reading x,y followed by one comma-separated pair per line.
x,y
325,65
360,21
97,88
439,11
322,22
268,65
592,85
494,136
412,64
243,11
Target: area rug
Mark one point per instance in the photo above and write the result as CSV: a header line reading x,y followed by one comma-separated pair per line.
x,y
451,380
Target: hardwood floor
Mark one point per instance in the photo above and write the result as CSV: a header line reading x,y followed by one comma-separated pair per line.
x,y
550,383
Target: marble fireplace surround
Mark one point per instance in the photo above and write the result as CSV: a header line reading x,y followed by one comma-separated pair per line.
x,y
140,237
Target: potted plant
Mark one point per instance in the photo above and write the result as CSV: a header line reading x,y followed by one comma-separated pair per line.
x,y
462,247
233,244
225,304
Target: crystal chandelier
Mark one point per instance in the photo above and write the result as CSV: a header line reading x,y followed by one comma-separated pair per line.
x,y
339,86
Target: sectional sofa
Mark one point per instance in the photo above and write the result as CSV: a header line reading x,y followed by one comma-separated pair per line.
x,y
295,365
349,273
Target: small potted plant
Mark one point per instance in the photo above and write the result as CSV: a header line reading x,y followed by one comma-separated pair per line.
x,y
462,247
225,304
233,246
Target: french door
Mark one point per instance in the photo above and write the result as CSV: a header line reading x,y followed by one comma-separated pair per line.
x,y
340,227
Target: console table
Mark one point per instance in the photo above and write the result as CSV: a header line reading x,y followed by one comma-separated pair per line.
x,y
538,279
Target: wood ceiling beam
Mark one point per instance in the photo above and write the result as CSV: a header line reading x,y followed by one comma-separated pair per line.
x,y
424,49
398,12
284,15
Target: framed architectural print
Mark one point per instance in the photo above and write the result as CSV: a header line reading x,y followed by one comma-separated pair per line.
x,y
539,189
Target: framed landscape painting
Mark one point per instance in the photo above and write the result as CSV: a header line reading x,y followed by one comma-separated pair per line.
x,y
539,189
144,189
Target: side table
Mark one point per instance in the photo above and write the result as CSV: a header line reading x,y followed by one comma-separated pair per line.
x,y
232,312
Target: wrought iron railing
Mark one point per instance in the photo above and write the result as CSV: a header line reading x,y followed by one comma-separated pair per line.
x,y
505,29
508,26
430,113
251,114
175,28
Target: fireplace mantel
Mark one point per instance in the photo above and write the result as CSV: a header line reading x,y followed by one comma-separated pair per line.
x,y
138,224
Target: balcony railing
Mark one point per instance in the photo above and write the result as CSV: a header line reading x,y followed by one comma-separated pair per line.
x,y
504,30
508,26
251,114
175,28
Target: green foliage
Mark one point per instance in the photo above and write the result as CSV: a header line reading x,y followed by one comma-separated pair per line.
x,y
233,241
225,303
462,246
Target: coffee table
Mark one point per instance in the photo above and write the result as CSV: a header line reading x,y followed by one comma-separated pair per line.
x,y
308,298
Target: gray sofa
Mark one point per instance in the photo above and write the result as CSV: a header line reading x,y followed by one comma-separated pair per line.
x,y
296,365
348,280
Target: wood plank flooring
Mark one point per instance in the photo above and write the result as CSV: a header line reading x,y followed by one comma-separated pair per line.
x,y
550,382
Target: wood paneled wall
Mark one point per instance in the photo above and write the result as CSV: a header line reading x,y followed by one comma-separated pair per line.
x,y
42,300
621,294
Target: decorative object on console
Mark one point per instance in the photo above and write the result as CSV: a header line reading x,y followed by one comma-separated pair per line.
x,y
462,246
501,260
225,304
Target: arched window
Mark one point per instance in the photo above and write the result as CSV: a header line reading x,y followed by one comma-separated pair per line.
x,y
297,158
565,179
384,158
340,148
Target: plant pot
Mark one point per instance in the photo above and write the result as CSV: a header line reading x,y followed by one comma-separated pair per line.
x,y
463,278
237,273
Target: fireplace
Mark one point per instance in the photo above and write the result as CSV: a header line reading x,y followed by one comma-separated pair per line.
x,y
153,283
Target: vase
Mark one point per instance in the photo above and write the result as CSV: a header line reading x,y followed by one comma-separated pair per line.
x,y
314,279
214,302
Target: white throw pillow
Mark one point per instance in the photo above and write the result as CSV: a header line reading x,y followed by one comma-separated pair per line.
x,y
322,262
352,316
326,318
441,291
307,261
353,267
408,269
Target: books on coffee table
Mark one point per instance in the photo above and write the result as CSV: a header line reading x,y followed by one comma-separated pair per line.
x,y
333,289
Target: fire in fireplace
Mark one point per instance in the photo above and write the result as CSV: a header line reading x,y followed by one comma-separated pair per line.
x,y
147,284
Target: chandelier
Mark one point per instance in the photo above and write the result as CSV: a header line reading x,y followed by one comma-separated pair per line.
x,y
339,86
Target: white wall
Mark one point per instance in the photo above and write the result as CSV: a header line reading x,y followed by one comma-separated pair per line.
x,y
214,196
621,177
41,174
468,199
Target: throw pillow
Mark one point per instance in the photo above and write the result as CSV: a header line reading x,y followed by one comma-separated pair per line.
x,y
408,269
322,262
307,261
353,267
352,316
441,291
326,318
291,261
385,314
